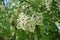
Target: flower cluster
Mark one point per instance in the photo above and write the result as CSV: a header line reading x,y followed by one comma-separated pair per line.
x,y
48,4
58,4
28,23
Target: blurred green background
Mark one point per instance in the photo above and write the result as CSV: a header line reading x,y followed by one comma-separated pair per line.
x,y
29,19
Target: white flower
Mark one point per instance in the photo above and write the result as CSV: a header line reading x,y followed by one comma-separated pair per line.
x,y
13,4
28,22
48,4
58,25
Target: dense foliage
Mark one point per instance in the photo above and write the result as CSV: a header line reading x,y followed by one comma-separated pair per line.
x,y
29,19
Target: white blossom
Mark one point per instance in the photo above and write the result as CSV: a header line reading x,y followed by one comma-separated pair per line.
x,y
28,22
58,25
48,4
13,4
